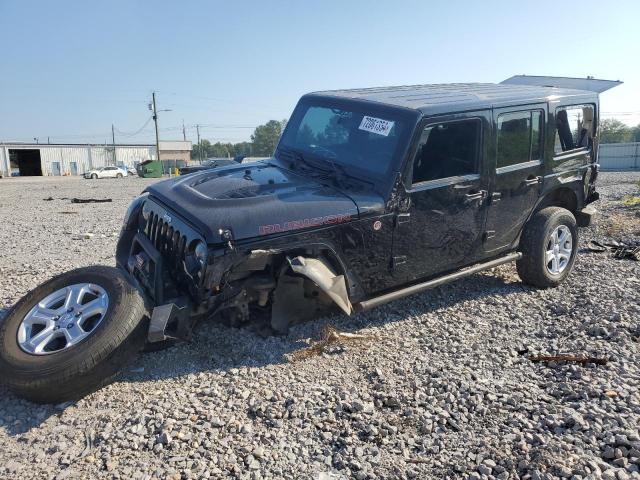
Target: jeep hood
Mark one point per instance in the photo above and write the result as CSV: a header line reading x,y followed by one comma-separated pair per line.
x,y
253,200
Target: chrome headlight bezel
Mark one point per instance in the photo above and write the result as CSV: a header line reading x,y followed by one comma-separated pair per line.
x,y
201,252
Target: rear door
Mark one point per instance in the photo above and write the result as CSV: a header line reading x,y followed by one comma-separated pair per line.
x,y
517,172
442,227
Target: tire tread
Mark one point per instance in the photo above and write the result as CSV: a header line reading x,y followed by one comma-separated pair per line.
x,y
105,353
531,267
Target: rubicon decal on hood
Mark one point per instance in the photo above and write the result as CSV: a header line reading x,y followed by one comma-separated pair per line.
x,y
304,223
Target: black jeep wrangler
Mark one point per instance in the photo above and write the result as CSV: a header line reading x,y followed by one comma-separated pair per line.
x,y
370,196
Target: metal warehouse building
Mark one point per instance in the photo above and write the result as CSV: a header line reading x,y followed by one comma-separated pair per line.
x,y
619,156
72,159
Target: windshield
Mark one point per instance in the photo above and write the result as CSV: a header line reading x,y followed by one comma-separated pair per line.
x,y
365,139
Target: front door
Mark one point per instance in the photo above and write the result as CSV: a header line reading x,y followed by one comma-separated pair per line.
x,y
55,169
73,166
443,226
517,173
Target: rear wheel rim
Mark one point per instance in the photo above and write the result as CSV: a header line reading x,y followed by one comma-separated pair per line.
x,y
558,250
63,319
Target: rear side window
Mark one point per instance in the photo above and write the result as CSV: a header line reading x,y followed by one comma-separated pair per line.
x,y
519,137
447,150
574,128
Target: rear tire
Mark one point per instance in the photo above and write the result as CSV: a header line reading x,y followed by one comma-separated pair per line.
x,y
119,175
75,369
548,244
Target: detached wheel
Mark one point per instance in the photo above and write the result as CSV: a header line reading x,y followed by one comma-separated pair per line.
x,y
549,244
71,335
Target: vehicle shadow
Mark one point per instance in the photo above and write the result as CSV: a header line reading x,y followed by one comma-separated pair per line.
x,y
217,348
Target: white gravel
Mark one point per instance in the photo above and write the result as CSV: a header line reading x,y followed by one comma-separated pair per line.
x,y
444,391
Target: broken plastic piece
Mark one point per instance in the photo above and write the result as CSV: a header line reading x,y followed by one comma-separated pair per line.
x,y
318,272
170,321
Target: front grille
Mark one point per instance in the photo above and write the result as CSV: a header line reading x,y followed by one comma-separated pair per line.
x,y
175,241
170,242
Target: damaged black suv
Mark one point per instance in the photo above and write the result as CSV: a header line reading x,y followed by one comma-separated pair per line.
x,y
370,196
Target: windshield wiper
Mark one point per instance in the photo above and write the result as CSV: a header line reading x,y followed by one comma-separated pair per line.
x,y
340,173
297,157
338,170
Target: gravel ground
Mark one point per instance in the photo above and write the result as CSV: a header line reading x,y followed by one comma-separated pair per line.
x,y
442,389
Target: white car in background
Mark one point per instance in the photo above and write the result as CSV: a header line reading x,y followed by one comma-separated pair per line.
x,y
106,172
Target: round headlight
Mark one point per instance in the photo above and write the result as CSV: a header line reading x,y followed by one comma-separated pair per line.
x,y
146,211
200,252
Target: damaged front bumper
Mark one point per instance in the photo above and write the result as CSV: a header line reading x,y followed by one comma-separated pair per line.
x,y
162,254
172,321
185,280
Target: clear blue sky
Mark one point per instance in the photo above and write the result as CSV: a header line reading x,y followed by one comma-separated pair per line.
x,y
69,69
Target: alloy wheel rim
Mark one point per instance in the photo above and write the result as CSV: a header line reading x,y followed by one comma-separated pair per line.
x,y
559,250
63,319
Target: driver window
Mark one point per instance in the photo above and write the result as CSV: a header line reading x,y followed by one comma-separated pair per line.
x,y
448,149
325,127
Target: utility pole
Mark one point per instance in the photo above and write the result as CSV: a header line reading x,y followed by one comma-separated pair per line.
x,y
113,142
153,108
199,146
184,133
155,119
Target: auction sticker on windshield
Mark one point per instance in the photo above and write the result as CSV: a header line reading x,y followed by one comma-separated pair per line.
x,y
376,125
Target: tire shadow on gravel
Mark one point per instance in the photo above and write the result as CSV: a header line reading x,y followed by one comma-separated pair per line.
x,y
219,349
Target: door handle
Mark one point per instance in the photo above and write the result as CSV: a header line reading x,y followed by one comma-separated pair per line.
x,y
529,182
475,196
403,218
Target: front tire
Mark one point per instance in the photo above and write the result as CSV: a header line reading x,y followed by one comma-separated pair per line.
x,y
548,244
119,175
71,335
94,176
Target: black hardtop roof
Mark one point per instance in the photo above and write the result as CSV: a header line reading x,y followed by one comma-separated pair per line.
x,y
452,97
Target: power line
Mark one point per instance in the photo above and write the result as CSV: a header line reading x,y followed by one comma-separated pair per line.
x,y
126,134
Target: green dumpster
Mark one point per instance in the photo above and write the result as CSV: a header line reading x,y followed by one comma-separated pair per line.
x,y
150,169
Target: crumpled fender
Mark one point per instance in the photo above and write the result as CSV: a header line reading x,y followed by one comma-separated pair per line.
x,y
319,272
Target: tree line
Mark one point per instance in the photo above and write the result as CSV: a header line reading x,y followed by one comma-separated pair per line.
x,y
263,143
615,131
265,138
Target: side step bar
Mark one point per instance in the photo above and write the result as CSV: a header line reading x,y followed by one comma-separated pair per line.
x,y
420,287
